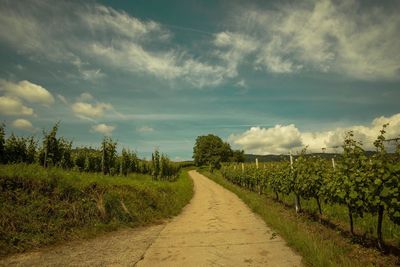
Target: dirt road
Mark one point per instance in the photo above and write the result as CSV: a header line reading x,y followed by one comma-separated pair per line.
x,y
215,229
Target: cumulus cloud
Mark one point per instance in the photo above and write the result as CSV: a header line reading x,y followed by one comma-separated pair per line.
x,y
27,91
23,124
283,138
343,37
88,110
145,129
13,106
276,140
103,128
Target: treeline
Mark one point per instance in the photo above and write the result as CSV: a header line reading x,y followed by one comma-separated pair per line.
x,y
362,184
58,152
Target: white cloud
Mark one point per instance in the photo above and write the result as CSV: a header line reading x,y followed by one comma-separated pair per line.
x,y
327,36
343,37
113,39
233,48
27,91
23,124
281,139
106,19
88,110
275,140
13,106
168,65
103,128
145,129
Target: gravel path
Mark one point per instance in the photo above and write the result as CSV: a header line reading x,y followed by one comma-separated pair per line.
x,y
215,229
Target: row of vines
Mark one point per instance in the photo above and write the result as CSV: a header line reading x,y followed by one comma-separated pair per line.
x,y
363,184
58,152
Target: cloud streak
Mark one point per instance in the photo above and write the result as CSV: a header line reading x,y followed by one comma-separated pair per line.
x,y
145,129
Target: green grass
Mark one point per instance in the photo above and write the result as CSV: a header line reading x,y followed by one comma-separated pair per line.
x,y
338,214
318,244
43,206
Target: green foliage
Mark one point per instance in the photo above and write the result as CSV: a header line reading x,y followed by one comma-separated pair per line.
x,y
55,151
109,155
128,162
237,156
44,205
58,152
163,168
210,150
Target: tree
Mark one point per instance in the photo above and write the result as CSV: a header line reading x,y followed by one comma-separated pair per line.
x,y
237,156
211,150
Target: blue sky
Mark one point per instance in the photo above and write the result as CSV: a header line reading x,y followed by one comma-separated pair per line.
x,y
266,76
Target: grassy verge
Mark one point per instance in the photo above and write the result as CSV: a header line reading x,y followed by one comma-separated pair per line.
x,y
42,206
319,245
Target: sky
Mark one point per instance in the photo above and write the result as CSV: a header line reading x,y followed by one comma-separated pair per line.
x,y
266,76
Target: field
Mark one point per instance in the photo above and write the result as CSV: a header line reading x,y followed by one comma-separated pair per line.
x,y
43,206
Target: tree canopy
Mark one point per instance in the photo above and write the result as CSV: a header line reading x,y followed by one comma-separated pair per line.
x,y
211,150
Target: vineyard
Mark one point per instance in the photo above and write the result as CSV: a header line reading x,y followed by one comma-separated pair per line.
x,y
58,152
364,186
